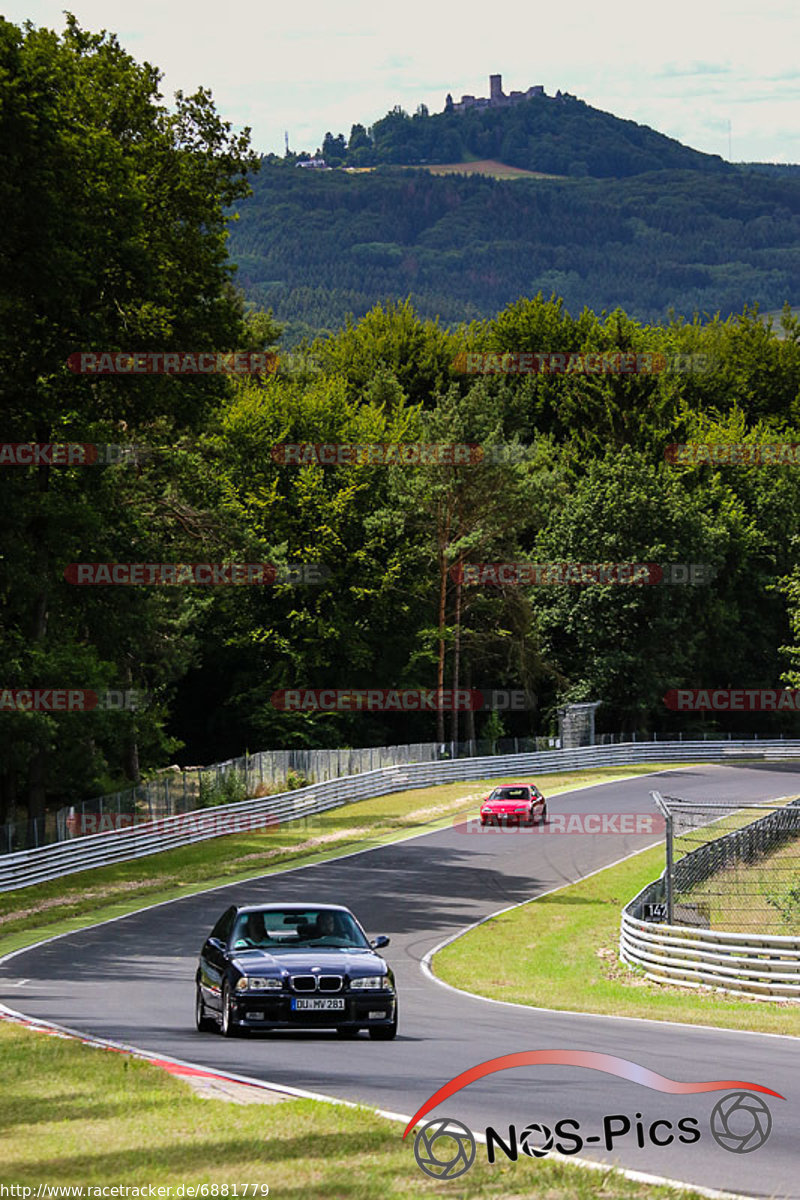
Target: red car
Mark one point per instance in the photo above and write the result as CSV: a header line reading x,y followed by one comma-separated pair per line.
x,y
515,804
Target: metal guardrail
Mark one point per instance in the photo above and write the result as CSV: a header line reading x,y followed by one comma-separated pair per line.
x,y
180,790
176,789
765,966
150,837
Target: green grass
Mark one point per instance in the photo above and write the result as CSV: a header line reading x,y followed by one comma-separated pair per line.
x,y
67,904
561,952
76,1115
753,898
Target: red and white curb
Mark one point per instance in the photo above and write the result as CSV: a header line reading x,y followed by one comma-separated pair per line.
x,y
218,1086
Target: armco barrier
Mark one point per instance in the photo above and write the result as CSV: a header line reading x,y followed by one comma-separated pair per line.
x,y
765,966
121,845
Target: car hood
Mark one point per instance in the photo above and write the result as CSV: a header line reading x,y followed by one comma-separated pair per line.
x,y
505,805
296,962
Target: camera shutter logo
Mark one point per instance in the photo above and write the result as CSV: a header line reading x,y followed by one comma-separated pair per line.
x,y
530,1138
455,1153
740,1122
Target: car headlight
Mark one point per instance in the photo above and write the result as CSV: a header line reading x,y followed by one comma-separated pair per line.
x,y
256,983
371,982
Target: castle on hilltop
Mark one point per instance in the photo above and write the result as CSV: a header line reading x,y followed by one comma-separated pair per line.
x,y
497,98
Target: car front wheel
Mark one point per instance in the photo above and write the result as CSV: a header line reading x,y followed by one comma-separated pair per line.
x,y
384,1033
227,1025
204,1023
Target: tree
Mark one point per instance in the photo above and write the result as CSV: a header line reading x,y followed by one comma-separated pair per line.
x,y
334,149
629,644
462,514
418,353
113,238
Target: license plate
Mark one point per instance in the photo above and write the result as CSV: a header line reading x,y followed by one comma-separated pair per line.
x,y
317,1004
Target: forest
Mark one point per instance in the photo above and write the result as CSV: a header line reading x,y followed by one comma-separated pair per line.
x,y
317,246
118,243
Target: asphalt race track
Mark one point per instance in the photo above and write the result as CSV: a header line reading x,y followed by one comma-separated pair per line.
x,y
132,980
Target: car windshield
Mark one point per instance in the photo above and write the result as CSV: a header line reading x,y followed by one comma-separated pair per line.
x,y
509,793
287,929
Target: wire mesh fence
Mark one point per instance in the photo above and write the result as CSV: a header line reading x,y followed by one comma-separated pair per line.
x,y
180,790
732,866
176,790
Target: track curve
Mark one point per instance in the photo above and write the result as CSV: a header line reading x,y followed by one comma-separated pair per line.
x,y
131,980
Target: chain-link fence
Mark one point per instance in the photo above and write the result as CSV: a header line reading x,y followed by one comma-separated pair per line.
x,y
181,790
732,866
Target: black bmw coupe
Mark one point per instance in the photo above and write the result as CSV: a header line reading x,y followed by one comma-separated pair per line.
x,y
294,966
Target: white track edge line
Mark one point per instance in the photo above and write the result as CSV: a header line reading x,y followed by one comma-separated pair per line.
x,y
427,969
633,1175
304,1094
303,866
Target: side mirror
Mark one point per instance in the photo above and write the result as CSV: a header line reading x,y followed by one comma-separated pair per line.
x,y
380,941
216,944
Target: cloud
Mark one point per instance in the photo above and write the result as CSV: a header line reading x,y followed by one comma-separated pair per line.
x,y
674,71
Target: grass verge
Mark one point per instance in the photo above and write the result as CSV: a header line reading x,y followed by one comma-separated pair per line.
x,y
76,1116
761,896
67,904
561,952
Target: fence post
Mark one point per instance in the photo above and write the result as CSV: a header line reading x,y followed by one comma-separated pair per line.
x,y
669,868
665,812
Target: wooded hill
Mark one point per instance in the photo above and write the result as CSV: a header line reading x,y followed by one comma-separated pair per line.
x,y
557,135
317,245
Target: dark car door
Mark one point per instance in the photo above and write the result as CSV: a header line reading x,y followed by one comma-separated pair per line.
x,y
213,959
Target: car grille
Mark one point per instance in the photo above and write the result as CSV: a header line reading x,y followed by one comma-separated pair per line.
x,y
330,983
312,983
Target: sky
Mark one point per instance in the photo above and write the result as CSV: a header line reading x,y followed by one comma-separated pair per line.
x,y
718,75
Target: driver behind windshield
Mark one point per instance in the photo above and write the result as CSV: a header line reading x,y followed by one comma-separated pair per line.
x,y
326,925
254,931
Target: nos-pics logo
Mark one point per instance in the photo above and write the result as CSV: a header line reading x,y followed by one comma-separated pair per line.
x,y
445,1148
